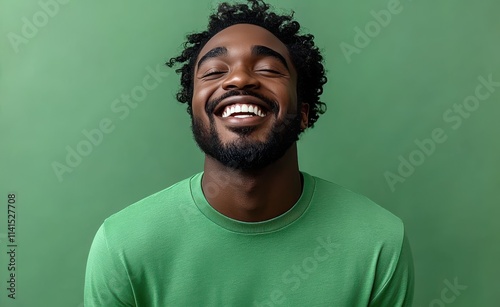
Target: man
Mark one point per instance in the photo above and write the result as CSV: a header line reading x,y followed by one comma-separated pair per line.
x,y
251,229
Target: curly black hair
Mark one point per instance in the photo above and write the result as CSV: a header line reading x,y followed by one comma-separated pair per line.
x,y
305,56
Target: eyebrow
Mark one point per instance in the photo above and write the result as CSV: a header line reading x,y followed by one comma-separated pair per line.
x,y
266,51
213,53
257,50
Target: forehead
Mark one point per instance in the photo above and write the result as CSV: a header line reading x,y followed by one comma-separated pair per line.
x,y
243,37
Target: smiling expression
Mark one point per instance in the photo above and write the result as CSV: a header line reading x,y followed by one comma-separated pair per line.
x,y
245,95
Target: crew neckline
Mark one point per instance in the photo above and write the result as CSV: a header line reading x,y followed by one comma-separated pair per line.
x,y
271,225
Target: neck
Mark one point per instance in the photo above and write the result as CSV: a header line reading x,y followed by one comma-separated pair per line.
x,y
253,196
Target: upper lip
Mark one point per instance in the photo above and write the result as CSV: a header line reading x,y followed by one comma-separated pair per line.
x,y
241,99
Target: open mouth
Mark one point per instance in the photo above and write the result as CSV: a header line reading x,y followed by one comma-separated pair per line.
x,y
243,110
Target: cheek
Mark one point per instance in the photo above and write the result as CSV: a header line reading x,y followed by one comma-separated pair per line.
x,y
289,98
201,95
293,98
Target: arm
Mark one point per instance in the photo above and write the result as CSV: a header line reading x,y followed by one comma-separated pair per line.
x,y
397,289
106,280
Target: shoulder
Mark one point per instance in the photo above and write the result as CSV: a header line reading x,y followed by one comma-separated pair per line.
x,y
355,213
152,213
160,200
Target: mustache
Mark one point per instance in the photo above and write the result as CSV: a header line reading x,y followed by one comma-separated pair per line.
x,y
212,104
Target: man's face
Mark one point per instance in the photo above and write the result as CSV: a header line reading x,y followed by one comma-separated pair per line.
x,y
245,111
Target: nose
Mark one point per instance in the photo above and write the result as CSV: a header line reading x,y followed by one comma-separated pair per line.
x,y
240,78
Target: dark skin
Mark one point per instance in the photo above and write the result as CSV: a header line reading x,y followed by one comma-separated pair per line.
x,y
263,194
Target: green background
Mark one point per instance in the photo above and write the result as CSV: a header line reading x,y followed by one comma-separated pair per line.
x,y
64,78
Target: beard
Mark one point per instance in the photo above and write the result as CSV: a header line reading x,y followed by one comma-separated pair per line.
x,y
244,153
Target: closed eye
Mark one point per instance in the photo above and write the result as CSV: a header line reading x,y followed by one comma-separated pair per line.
x,y
270,71
213,73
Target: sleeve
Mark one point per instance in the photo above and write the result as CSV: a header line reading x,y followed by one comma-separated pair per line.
x,y
106,280
397,289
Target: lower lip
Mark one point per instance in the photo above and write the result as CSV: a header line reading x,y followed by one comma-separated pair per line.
x,y
244,121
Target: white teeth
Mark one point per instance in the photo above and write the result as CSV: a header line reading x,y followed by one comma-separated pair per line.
x,y
243,108
243,115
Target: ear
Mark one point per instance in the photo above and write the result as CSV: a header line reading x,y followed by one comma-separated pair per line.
x,y
304,111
